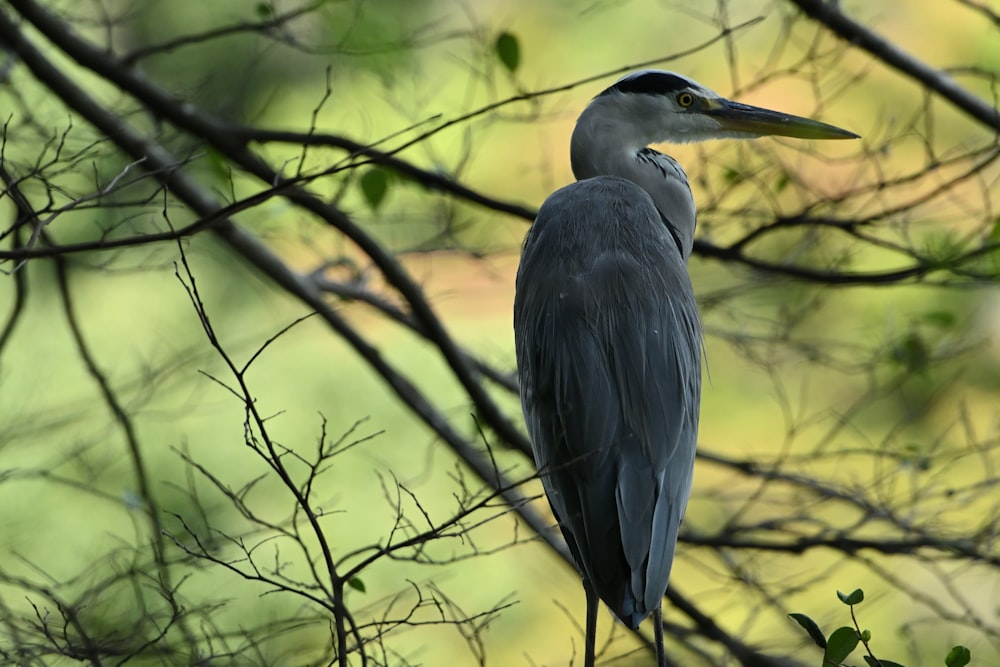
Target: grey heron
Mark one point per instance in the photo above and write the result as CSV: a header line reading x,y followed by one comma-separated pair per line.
x,y
608,336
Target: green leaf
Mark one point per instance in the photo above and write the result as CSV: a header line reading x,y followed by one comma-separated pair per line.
x,y
855,597
356,584
264,10
840,645
508,50
958,656
810,627
374,186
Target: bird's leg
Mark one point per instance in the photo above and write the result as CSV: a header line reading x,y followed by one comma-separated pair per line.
x,y
661,657
593,603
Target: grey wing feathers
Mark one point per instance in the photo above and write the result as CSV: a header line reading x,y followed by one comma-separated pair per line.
x,y
608,345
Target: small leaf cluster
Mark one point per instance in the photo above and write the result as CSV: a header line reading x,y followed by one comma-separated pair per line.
x,y
843,641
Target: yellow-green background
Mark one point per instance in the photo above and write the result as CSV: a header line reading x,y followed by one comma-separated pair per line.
x,y
140,323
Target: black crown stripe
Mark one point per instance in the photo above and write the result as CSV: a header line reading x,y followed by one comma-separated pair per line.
x,y
650,83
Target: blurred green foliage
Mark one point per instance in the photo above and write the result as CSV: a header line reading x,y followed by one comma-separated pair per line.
x,y
786,359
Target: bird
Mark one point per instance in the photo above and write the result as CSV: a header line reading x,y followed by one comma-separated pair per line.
x,y
608,337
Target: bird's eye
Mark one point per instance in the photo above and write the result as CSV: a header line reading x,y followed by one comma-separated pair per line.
x,y
685,100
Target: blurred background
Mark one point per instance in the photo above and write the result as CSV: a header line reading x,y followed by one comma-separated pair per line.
x,y
153,501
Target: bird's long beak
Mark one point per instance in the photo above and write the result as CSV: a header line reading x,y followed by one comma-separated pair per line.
x,y
743,118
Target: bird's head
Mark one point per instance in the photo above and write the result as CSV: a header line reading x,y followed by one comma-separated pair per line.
x,y
656,106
